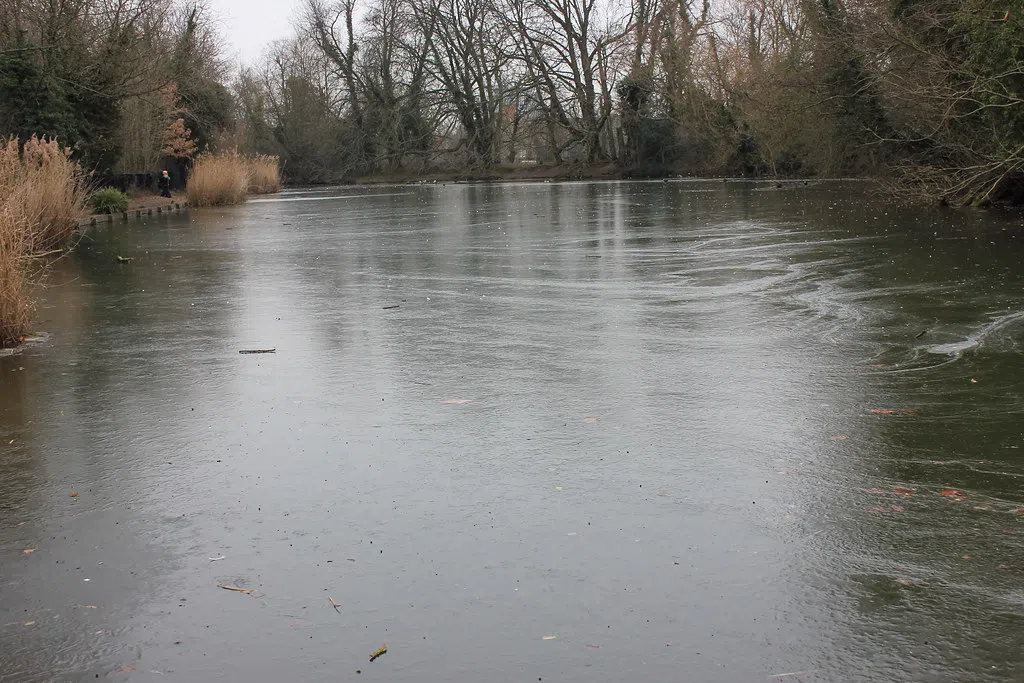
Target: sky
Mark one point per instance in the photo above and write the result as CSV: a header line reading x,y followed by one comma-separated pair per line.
x,y
249,25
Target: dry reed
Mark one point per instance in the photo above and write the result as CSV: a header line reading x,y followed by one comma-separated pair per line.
x,y
218,179
228,177
45,189
264,174
42,193
15,305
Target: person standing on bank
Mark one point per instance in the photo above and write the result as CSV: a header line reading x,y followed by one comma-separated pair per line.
x,y
164,184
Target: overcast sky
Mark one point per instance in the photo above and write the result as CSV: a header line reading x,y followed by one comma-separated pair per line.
x,y
248,25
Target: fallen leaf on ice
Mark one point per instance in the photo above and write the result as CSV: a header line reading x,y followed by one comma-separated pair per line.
x,y
72,495
881,411
950,493
28,551
906,493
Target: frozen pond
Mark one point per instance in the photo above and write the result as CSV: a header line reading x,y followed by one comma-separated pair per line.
x,y
688,431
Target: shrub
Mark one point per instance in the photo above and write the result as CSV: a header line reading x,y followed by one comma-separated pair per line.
x,y
218,179
264,174
109,200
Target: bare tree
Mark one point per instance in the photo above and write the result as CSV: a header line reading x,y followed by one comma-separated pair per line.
x,y
469,59
950,76
570,50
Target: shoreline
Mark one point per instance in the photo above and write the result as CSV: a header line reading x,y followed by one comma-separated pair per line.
x,y
612,171
139,206
562,173
538,172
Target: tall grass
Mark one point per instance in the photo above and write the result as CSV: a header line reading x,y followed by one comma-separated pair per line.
x,y
264,174
228,177
218,179
15,304
44,189
42,193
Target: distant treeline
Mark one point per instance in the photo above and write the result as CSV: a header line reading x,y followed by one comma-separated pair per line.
x,y
929,93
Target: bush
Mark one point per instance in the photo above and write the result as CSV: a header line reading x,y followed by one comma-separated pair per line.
x,y
109,200
218,179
